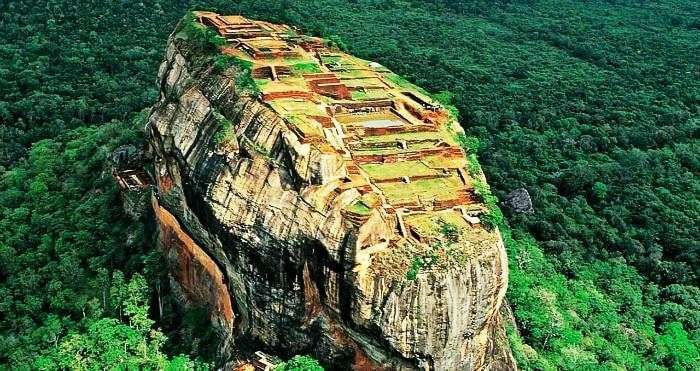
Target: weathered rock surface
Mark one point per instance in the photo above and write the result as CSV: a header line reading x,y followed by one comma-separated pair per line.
x,y
251,233
519,201
127,157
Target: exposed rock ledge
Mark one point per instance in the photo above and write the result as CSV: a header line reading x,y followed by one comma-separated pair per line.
x,y
253,235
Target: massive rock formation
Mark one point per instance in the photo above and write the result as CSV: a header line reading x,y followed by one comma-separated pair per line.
x,y
322,207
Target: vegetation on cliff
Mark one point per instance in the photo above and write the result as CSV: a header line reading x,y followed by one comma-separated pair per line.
x,y
299,363
593,107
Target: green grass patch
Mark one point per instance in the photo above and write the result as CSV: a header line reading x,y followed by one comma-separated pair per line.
x,y
426,189
397,169
468,144
359,207
261,83
369,94
305,67
330,59
307,127
440,162
416,265
351,74
418,136
298,107
358,95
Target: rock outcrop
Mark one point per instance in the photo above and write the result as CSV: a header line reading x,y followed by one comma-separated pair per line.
x,y
294,234
518,201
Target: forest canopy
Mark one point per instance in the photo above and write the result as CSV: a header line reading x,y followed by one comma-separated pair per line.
x,y
592,107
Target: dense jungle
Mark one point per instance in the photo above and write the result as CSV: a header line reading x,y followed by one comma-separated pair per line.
x,y
593,107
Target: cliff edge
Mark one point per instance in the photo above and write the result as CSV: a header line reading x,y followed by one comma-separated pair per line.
x,y
318,203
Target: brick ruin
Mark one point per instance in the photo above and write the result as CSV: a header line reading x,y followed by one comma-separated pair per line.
x,y
361,111
132,179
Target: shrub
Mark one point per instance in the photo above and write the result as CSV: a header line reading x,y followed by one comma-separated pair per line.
x,y
473,166
449,231
244,80
300,363
337,42
412,272
469,144
199,35
493,215
225,126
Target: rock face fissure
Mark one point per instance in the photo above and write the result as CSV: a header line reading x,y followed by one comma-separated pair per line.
x,y
325,209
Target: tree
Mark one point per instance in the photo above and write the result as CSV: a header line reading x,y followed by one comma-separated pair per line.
x,y
300,363
600,190
675,349
107,343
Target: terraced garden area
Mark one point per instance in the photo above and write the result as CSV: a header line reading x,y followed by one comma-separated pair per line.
x,y
399,145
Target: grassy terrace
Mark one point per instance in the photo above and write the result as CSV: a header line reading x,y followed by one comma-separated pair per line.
x,y
424,224
443,162
426,189
355,74
368,119
370,94
357,98
392,150
292,107
305,67
364,82
405,84
308,128
397,170
449,228
408,137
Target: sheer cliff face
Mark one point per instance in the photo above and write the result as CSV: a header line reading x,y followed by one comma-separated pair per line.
x,y
262,227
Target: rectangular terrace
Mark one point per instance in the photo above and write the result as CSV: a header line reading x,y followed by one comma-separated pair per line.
x,y
383,119
423,191
397,170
